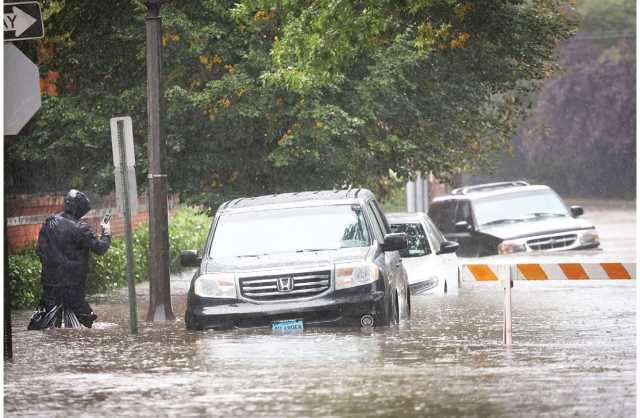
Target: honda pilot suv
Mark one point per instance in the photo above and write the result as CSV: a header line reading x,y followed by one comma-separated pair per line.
x,y
511,217
289,261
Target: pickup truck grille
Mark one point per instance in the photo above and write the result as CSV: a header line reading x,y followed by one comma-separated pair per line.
x,y
551,243
285,287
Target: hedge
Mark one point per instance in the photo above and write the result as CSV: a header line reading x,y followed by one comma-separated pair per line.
x,y
188,229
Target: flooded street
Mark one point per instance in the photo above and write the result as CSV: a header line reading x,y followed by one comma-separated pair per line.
x,y
573,355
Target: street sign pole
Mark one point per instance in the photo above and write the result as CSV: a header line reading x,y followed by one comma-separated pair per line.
x,y
8,338
159,285
133,311
122,138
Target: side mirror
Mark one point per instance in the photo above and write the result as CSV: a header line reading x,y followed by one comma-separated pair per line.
x,y
395,242
190,258
462,226
577,211
448,247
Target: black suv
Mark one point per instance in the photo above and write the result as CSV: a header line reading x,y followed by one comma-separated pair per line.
x,y
294,260
511,217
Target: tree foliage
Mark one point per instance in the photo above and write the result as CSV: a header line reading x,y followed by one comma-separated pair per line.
x,y
581,135
265,96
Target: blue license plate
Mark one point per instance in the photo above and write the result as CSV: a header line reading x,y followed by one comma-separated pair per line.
x,y
288,325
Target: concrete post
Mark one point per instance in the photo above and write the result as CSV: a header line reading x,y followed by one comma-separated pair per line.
x,y
159,285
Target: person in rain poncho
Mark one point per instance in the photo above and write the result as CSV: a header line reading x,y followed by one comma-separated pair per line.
x,y
64,244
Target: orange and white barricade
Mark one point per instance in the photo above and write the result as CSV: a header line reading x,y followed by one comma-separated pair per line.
x,y
481,272
507,272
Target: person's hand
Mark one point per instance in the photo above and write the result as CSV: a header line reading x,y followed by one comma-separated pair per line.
x,y
106,228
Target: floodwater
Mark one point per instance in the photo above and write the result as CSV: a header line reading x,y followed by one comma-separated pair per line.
x,y
573,354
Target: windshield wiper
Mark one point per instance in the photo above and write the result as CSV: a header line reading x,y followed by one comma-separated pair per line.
x,y
502,221
546,214
313,250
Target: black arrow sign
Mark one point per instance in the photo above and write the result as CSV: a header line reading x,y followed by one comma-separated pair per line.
x,y
22,21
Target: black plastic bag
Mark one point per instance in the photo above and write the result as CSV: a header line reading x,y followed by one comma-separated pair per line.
x,y
59,316
41,319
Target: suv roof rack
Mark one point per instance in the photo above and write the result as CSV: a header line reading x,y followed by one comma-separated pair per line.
x,y
488,186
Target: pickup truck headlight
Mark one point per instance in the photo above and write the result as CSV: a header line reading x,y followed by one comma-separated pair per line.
x,y
351,275
589,238
510,247
217,285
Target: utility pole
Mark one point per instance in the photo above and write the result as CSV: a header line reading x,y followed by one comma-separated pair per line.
x,y
159,285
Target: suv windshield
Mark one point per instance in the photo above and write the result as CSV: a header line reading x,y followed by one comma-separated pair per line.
x,y
314,228
519,207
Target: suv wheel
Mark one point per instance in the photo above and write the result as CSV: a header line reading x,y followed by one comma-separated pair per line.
x,y
390,314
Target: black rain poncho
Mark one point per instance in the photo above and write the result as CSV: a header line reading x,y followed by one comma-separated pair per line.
x,y
64,244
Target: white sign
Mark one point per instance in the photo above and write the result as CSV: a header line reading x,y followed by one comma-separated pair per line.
x,y
21,89
122,136
122,125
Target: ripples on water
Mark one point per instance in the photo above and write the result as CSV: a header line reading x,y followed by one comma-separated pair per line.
x,y
573,354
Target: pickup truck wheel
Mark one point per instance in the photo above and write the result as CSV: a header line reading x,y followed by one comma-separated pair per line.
x,y
191,323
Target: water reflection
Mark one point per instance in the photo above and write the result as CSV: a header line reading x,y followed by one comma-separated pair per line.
x,y
573,353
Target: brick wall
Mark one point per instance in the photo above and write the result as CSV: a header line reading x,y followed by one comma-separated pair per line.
x,y
25,214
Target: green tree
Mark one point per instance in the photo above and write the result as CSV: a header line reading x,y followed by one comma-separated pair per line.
x,y
272,96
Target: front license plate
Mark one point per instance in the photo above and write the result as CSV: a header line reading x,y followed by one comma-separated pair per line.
x,y
288,325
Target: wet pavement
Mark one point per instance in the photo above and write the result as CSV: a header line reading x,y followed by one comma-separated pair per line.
x,y
573,355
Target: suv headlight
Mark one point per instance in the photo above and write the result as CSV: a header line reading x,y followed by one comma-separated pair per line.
x,y
351,275
216,285
590,237
510,247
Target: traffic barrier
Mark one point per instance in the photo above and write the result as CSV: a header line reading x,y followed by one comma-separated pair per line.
x,y
550,271
508,273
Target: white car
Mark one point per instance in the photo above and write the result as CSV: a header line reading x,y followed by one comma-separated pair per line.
x,y
430,260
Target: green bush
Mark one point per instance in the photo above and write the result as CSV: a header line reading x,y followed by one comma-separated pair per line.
x,y
24,278
188,229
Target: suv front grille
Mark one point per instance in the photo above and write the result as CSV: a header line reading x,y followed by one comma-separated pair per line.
x,y
551,243
284,287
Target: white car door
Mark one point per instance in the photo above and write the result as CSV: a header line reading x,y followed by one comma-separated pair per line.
x,y
447,263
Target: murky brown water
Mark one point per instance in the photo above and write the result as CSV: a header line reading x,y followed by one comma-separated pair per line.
x,y
573,355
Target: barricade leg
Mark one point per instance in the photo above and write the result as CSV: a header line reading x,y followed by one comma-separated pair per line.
x,y
506,334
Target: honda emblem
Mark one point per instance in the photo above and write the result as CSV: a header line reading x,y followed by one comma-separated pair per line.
x,y
285,284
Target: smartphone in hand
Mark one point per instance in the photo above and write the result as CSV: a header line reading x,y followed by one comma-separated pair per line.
x,y
106,218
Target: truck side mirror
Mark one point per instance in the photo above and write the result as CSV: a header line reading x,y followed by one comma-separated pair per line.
x,y
577,211
190,258
448,247
395,242
462,226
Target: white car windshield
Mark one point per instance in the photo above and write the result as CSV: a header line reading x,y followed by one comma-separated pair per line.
x,y
519,207
417,243
301,229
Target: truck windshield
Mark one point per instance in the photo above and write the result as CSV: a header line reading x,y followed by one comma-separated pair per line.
x,y
519,207
301,229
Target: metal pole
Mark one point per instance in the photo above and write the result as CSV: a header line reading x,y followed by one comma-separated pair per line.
x,y
507,306
8,338
159,285
427,191
411,196
419,192
133,311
